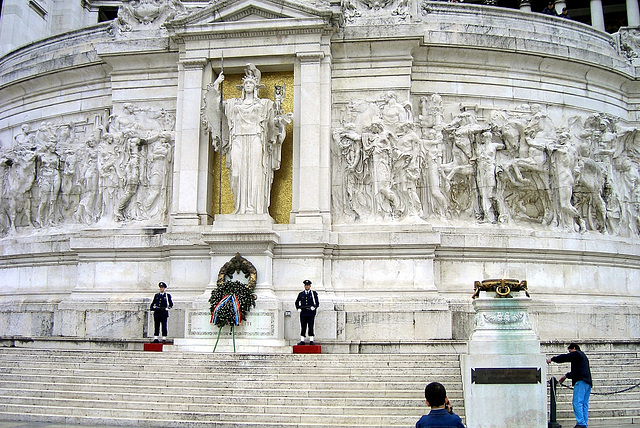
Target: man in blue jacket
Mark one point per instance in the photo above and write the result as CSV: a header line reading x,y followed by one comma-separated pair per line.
x,y
580,374
441,414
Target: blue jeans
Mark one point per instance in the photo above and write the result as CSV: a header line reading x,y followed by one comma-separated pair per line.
x,y
581,392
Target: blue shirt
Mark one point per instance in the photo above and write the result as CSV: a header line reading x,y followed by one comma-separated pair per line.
x,y
440,418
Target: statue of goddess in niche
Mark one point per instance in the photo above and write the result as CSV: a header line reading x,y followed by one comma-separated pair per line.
x,y
254,140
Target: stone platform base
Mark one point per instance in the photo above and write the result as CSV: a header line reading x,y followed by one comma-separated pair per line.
x,y
153,347
307,349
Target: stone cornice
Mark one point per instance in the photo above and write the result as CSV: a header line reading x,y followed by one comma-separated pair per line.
x,y
310,56
193,63
242,29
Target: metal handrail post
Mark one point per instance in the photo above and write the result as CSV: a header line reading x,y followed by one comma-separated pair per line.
x,y
553,383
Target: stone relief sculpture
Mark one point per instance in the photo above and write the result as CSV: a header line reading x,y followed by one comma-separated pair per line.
x,y
251,139
398,10
630,42
48,184
58,175
18,178
89,179
145,14
158,170
517,167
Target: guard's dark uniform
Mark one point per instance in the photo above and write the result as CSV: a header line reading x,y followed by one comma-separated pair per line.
x,y
160,305
306,300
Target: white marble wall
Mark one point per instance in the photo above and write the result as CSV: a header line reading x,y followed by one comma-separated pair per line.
x,y
396,278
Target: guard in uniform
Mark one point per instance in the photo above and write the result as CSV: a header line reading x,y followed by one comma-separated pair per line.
x,y
160,306
307,303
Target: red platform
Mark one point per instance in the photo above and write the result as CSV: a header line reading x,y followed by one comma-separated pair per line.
x,y
307,349
155,347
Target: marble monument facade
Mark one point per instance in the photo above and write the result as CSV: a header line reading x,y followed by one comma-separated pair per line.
x,y
425,145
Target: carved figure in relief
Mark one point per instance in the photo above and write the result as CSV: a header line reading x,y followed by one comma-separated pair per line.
x,y
378,147
406,171
48,183
87,211
25,138
376,4
595,177
431,112
253,145
349,10
355,200
402,10
146,14
158,162
131,177
630,42
563,164
19,179
70,189
119,123
110,175
393,113
45,134
533,164
433,178
463,130
486,176
630,195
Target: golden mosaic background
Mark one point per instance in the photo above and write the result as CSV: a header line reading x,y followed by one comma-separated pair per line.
x,y
281,191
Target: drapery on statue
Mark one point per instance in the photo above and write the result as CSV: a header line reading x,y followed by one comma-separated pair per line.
x,y
251,139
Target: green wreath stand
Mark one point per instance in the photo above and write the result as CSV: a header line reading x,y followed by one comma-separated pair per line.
x,y
232,300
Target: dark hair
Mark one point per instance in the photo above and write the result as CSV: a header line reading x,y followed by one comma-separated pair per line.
x,y
435,394
574,346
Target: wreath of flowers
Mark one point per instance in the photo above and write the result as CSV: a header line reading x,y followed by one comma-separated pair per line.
x,y
230,303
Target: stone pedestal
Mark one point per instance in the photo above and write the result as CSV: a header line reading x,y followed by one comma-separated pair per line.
x,y
504,373
262,331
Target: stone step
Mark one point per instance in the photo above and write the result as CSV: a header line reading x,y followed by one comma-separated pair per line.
x,y
96,421
250,375
164,417
246,382
230,390
159,391
154,371
16,394
213,405
45,353
128,388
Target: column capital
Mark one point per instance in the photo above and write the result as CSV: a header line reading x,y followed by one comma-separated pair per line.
x,y
310,56
193,63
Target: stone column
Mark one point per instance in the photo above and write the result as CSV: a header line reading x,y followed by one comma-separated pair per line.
x,y
597,14
525,5
191,150
504,363
311,174
633,14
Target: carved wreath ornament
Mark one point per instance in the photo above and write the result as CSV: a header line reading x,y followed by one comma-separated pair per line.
x,y
232,300
502,287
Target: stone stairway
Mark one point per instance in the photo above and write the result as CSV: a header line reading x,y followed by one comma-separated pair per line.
x,y
177,389
612,371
